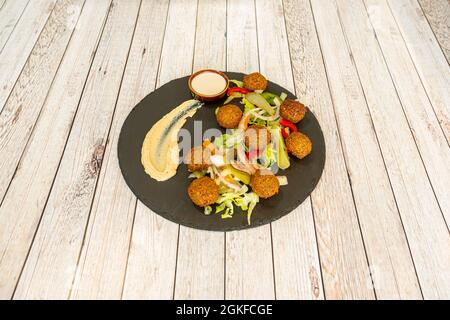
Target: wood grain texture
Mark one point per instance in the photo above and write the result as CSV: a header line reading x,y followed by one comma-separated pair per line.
x,y
421,117
375,74
249,264
21,41
409,180
428,58
153,254
375,203
293,236
438,16
429,247
29,93
52,261
102,267
10,13
200,264
33,178
343,260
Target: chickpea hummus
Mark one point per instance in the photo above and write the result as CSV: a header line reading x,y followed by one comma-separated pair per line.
x,y
160,151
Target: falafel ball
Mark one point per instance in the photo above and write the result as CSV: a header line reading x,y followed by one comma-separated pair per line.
x,y
229,116
203,191
298,144
292,110
265,184
257,137
198,159
255,81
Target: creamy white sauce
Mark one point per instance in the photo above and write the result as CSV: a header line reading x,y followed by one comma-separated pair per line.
x,y
208,83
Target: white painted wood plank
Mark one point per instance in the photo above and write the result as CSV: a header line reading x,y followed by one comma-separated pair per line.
x,y
200,264
294,242
33,178
343,260
52,261
10,14
421,117
428,58
29,93
393,273
15,53
425,227
102,267
438,15
153,252
410,183
249,263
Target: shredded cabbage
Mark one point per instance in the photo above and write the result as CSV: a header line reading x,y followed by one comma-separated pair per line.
x,y
198,174
248,105
269,157
243,199
238,83
208,210
227,141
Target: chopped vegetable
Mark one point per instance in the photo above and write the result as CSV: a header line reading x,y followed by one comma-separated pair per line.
x,y
238,83
290,125
248,105
208,210
252,154
244,122
268,157
285,132
242,176
237,89
282,180
259,101
244,200
234,95
269,97
283,96
197,174
282,155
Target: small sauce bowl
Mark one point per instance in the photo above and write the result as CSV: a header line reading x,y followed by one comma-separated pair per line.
x,y
211,91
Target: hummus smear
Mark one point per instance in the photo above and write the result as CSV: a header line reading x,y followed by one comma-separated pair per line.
x,y
160,151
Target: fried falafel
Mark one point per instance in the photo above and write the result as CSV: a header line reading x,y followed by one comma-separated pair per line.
x,y
229,116
292,110
265,184
255,81
257,137
298,144
203,191
198,159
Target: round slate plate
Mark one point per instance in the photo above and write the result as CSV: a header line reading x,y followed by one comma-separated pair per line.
x,y
170,199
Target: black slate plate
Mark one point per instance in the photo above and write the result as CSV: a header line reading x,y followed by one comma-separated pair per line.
x,y
169,198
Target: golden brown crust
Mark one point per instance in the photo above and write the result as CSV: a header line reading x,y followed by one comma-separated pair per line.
x,y
292,110
265,184
203,191
255,81
257,137
229,116
298,144
198,159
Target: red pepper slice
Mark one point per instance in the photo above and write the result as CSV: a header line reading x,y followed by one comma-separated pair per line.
x,y
290,125
285,132
237,89
252,154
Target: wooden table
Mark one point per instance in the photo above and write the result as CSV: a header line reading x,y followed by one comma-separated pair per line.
x,y
374,72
